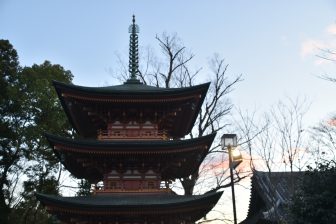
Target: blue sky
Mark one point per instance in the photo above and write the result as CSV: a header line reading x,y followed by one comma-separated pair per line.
x,y
272,43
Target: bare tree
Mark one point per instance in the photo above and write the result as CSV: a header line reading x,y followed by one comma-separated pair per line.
x,y
324,134
329,55
277,140
323,139
173,69
216,107
288,119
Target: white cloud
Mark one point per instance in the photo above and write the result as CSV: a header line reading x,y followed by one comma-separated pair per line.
x,y
331,29
311,47
319,48
320,61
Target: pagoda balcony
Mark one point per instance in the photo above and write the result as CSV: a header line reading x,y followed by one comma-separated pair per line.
x,y
143,191
132,134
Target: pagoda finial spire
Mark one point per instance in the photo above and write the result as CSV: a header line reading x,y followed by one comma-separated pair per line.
x,y
133,50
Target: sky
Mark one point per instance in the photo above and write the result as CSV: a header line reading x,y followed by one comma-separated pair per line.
x,y
273,44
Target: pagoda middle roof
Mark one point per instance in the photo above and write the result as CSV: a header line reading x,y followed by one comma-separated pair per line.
x,y
129,146
175,158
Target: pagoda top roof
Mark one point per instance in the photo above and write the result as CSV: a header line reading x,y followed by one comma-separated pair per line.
x,y
88,107
129,88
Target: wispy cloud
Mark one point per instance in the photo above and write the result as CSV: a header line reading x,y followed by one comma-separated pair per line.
x,y
331,122
320,48
311,47
331,29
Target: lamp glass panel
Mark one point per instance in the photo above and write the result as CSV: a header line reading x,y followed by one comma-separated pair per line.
x,y
229,140
223,142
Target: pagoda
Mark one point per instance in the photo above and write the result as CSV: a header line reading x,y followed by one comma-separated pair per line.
x,y
132,141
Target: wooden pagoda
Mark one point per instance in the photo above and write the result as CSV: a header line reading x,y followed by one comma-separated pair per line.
x,y
131,140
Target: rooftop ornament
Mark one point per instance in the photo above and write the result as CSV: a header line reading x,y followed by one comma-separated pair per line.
x,y
133,53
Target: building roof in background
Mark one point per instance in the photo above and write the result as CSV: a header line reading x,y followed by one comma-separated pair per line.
x,y
270,191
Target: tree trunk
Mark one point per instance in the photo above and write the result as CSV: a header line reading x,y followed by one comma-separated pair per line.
x,y
188,186
189,183
4,209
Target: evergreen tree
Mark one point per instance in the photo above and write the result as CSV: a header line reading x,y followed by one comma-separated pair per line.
x,y
29,108
315,201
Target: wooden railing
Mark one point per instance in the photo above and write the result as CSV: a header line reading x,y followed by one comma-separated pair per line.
x,y
108,191
131,134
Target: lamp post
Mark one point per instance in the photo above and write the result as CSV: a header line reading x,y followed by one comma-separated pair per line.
x,y
229,141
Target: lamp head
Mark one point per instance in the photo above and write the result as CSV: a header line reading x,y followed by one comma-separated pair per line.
x,y
229,140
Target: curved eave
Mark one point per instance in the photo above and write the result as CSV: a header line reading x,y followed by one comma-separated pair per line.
x,y
177,159
128,147
132,91
256,203
125,206
131,94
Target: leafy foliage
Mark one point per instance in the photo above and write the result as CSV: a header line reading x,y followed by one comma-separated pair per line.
x,y
315,201
9,67
84,188
29,107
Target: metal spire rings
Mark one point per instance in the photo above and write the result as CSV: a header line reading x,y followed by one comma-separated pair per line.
x,y
133,51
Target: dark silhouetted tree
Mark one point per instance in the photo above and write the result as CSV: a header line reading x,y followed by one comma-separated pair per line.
x,y
315,199
29,108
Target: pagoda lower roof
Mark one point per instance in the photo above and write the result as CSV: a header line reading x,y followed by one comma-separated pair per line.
x,y
91,159
128,208
88,108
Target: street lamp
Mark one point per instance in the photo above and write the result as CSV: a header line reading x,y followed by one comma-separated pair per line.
x,y
229,141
